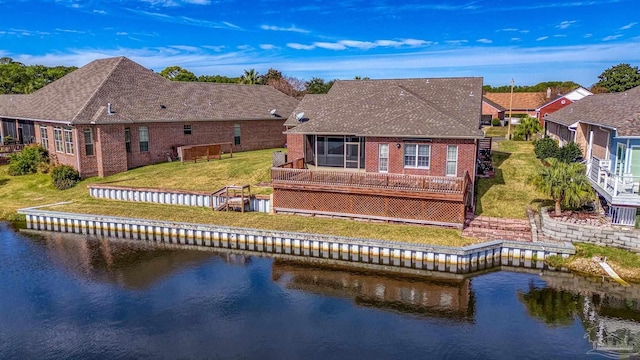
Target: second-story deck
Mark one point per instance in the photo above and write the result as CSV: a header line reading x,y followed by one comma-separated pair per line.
x,y
619,190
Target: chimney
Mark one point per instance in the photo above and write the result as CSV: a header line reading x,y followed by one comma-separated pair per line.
x,y
548,93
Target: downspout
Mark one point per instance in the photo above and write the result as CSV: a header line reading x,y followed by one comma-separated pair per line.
x,y
77,145
627,157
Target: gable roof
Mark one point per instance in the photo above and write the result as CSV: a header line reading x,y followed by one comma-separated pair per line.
x,y
446,107
620,111
521,100
493,104
137,94
573,96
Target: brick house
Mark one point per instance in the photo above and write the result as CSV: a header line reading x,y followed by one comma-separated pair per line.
x,y
561,101
523,103
490,111
607,129
112,115
389,150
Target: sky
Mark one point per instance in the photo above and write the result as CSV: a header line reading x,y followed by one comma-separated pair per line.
x,y
524,40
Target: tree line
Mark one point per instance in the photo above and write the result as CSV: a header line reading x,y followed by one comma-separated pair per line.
x,y
17,78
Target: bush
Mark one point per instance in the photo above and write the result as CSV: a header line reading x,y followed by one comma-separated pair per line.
x,y
28,161
570,153
546,148
64,177
495,122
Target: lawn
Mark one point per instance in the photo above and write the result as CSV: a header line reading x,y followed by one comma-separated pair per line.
x,y
244,168
495,131
508,195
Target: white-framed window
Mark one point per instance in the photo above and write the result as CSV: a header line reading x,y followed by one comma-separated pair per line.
x,y
88,141
143,133
44,137
68,141
187,129
57,139
417,156
236,134
383,158
452,160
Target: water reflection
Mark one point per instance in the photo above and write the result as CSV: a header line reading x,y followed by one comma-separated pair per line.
x,y
415,295
133,265
609,313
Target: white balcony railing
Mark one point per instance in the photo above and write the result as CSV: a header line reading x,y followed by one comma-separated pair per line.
x,y
615,185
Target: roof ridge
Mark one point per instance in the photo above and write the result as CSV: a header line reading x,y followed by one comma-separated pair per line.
x,y
115,66
430,104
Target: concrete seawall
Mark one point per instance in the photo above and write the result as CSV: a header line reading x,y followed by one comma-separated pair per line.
x,y
301,245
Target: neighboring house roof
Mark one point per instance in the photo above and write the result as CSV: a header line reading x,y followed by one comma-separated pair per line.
x,y
521,100
620,111
445,107
573,96
493,104
137,94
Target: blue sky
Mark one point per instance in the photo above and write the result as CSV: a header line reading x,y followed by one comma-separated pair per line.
x,y
529,41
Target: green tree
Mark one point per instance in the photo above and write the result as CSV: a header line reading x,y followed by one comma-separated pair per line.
x,y
527,127
218,79
358,77
176,73
318,86
566,183
554,307
619,78
250,77
272,76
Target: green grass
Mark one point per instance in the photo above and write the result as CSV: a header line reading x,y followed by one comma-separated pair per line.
x,y
508,195
621,257
244,168
495,131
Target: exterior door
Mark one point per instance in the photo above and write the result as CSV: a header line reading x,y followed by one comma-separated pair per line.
x,y
621,155
635,161
352,155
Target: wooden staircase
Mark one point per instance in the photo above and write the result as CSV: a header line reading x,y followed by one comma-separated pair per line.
x,y
233,197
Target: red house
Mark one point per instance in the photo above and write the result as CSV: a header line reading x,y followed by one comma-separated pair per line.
x,y
387,150
113,114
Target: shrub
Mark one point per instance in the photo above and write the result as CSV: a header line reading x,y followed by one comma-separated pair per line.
x,y
546,148
7,140
570,153
495,122
28,161
64,177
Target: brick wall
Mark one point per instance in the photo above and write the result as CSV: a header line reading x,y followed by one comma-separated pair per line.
x,y
490,110
466,156
295,146
553,107
58,157
111,156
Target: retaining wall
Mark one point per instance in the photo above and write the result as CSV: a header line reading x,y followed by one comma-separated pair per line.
x,y
624,238
365,251
259,203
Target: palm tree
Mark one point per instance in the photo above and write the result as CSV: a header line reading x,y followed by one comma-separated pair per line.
x,y
249,77
527,127
566,183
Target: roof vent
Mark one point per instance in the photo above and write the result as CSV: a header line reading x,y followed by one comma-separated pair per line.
x,y
109,110
272,112
163,106
471,94
300,116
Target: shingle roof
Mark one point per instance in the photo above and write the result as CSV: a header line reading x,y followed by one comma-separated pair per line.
x,y
493,104
616,110
445,107
521,100
138,94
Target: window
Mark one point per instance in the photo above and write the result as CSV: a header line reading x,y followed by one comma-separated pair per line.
x,y
236,134
127,140
68,141
383,158
452,160
57,139
187,130
144,138
417,156
88,141
44,137
335,146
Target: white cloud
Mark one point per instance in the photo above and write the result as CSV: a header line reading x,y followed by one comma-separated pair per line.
x,y
362,45
291,28
456,42
100,12
268,47
629,26
216,48
565,24
484,41
516,39
185,20
245,47
70,31
611,37
171,3
586,36
541,38
122,33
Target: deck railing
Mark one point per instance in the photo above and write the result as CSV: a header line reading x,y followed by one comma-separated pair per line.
x,y
7,149
614,185
436,184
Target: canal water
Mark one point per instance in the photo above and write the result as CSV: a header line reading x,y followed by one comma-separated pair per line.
x,y
63,296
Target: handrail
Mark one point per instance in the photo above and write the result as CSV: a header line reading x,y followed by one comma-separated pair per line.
x,y
438,184
613,184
